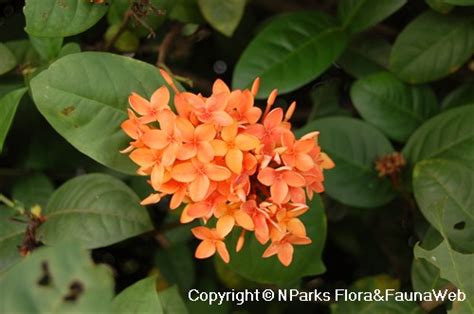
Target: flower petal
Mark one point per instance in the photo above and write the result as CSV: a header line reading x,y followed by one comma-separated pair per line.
x,y
177,198
267,176
220,87
293,179
246,142
243,219
234,159
156,177
327,162
160,98
151,199
202,233
222,250
222,118
296,227
205,249
216,173
184,172
205,132
198,210
224,225
139,104
303,162
271,250
279,191
285,253
156,139
273,118
205,152
185,128
229,132
143,157
198,188
219,147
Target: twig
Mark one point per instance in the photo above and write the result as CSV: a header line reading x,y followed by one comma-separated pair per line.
x,y
166,44
122,28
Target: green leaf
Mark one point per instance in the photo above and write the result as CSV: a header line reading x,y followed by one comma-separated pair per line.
x,y
88,107
8,105
176,264
358,15
450,183
186,11
390,105
365,56
23,51
7,59
224,16
142,297
11,236
424,276
440,6
52,18
307,259
432,46
325,99
57,280
126,42
95,210
462,95
448,135
354,146
453,266
33,190
47,47
381,282
460,2
69,49
307,44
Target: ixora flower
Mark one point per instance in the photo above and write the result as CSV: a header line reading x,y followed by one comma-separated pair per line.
x,y
229,163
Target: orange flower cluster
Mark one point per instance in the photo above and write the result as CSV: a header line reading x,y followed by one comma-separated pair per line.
x,y
224,158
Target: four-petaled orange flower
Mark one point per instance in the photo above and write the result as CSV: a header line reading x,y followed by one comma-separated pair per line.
x,y
227,162
212,241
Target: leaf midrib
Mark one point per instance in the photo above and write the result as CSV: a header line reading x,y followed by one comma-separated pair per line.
x,y
298,48
429,48
68,211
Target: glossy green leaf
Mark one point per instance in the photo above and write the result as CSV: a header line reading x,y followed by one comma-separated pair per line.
x,y
142,297
453,266
440,6
354,146
358,15
365,56
176,265
448,135
57,280
11,236
451,184
392,106
52,18
23,51
307,259
307,44
7,59
8,106
47,47
69,49
432,46
381,282
460,96
224,16
424,276
88,107
326,100
95,210
33,190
